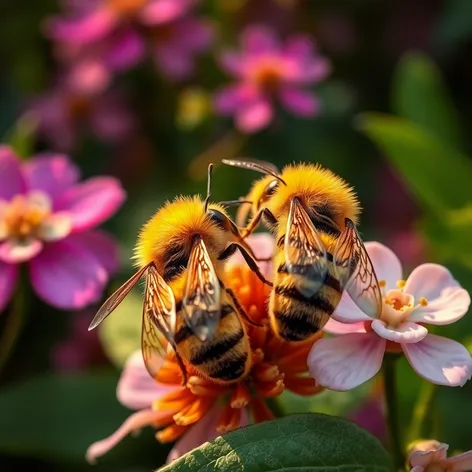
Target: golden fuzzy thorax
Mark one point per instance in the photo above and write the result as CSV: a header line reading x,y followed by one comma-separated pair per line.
x,y
315,186
176,223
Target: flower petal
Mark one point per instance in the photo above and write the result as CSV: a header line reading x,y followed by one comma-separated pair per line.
x,y
92,202
163,11
52,174
172,61
228,99
254,115
11,179
8,278
299,102
460,463
136,388
14,251
405,333
426,452
128,49
386,264
103,247
89,76
135,422
335,327
232,62
348,312
347,361
55,227
67,275
440,360
258,39
447,300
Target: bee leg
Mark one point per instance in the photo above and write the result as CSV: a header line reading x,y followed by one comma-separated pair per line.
x,y
231,249
240,309
182,368
263,213
237,234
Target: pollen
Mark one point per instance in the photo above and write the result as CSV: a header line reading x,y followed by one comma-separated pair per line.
x,y
382,283
400,284
423,302
276,366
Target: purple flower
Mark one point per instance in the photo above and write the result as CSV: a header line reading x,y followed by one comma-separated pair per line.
x,y
115,33
64,111
266,70
47,220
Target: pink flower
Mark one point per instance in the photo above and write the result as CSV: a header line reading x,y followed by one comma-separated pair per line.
x,y
115,33
139,391
265,70
64,111
429,295
431,456
47,219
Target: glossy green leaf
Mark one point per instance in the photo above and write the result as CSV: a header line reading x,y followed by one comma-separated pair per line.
x,y
420,95
437,175
305,442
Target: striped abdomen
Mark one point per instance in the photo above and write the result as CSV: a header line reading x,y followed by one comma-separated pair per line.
x,y
295,317
224,358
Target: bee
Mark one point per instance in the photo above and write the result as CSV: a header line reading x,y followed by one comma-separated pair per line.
x,y
181,252
313,214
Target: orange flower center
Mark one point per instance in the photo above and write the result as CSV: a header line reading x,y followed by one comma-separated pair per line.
x,y
126,7
277,366
267,75
79,107
23,215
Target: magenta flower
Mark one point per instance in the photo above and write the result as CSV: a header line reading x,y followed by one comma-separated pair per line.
x,y
64,112
266,70
139,391
48,219
431,456
430,295
116,32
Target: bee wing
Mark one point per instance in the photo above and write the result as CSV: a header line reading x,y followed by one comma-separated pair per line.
x,y
202,293
116,298
305,253
355,272
158,321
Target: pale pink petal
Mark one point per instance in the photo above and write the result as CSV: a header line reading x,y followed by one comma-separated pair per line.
x,y
11,179
52,174
460,463
427,452
163,11
386,264
229,98
346,361
406,333
14,251
254,115
232,62
300,46
8,278
86,29
135,422
55,227
67,275
418,468
127,51
299,102
259,39
102,246
89,77
92,202
204,430
136,388
335,327
447,301
440,360
348,312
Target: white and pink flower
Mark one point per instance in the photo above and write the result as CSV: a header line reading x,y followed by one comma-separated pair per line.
x,y
431,456
48,220
430,295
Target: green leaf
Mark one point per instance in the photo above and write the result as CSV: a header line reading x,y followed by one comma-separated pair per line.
x,y
437,175
306,442
420,95
21,137
120,333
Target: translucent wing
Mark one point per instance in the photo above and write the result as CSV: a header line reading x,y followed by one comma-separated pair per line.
x,y
202,293
355,271
305,253
116,298
158,321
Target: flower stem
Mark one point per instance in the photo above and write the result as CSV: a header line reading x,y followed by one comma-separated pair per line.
x,y
12,328
423,405
391,396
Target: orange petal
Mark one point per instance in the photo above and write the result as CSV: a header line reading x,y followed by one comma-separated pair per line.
x,y
204,387
302,385
270,389
260,411
229,420
265,372
193,412
241,396
171,433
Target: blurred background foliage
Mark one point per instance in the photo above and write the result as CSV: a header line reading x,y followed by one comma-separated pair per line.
x,y
395,124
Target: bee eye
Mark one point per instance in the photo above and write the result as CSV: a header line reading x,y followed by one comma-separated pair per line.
x,y
218,218
268,192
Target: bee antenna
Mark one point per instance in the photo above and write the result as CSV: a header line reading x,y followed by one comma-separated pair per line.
x,y
258,166
230,203
208,196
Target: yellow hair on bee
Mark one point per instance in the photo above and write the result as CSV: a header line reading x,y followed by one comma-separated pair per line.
x,y
175,223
